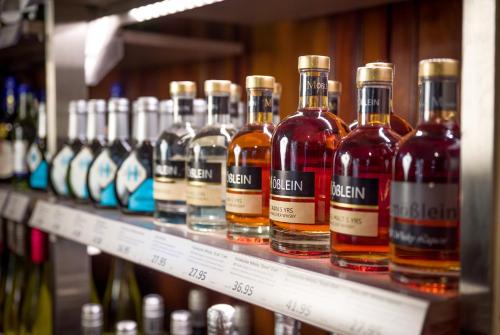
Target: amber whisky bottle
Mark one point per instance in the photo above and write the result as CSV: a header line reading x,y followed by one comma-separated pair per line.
x,y
362,169
334,91
302,148
398,124
425,212
248,167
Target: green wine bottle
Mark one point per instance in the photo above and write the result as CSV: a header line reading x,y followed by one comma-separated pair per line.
x,y
122,298
36,309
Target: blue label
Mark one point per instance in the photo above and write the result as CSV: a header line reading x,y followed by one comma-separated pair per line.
x,y
39,177
108,196
141,200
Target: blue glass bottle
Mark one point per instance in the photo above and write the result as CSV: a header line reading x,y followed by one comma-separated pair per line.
x,y
134,179
37,154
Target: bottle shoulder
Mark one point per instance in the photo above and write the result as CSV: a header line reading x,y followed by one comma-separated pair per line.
x,y
219,133
253,135
369,140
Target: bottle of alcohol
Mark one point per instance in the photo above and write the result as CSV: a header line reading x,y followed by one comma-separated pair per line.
x,y
8,116
127,327
220,320
197,305
96,140
360,199
37,154
134,179
425,201
206,163
235,106
165,115
248,167
276,102
153,312
334,91
122,299
36,310
77,129
180,323
301,167
134,124
22,135
92,320
398,124
170,156
200,113
102,170
242,322
285,325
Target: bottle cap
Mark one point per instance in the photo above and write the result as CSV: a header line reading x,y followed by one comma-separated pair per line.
x,y
167,106
152,306
373,74
217,86
265,82
284,325
277,89
91,316
182,87
180,322
126,327
380,64
197,300
438,67
96,106
220,319
235,91
334,86
147,104
314,62
118,105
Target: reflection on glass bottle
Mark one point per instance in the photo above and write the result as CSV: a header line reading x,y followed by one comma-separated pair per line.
x,y
37,154
134,179
102,171
8,115
170,156
96,140
77,129
206,163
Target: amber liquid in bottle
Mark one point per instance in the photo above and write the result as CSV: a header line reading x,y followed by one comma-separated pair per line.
x,y
301,165
359,215
425,210
333,107
248,172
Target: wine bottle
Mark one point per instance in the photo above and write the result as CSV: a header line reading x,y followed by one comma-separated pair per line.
x,y
122,298
36,309
285,325
242,321
180,323
37,154
197,305
91,319
220,320
126,327
153,312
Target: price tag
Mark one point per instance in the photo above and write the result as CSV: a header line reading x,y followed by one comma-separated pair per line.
x,y
62,219
166,252
3,199
100,232
205,265
16,207
130,242
41,215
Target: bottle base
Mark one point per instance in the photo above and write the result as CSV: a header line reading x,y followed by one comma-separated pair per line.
x,y
364,262
206,219
247,234
299,244
429,280
170,218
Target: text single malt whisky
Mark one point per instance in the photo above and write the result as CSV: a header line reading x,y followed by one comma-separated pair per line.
x,y
134,179
102,170
36,157
425,203
362,168
398,124
334,91
77,130
301,167
96,140
170,156
276,102
206,162
248,167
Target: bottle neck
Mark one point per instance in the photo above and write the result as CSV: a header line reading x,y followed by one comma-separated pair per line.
x,y
260,106
334,102
183,108
438,100
23,106
313,90
38,248
374,104
96,126
147,126
42,122
117,126
218,109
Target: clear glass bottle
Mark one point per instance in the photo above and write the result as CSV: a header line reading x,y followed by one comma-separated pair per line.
x,y
180,323
8,117
425,189
248,167
91,319
134,179
303,145
197,305
170,156
102,170
165,115
206,163
362,169
220,320
200,113
285,325
96,141
37,154
236,110
153,313
59,165
334,91
126,327
276,102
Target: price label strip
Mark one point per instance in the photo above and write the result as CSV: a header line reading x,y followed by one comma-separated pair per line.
x,y
130,242
205,265
16,207
42,215
166,252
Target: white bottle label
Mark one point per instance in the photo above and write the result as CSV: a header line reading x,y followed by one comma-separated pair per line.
x,y
34,157
20,148
131,174
101,173
6,159
59,170
78,172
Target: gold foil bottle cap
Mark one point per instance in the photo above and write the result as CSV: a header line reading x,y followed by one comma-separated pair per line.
x,y
266,82
182,87
314,62
235,90
380,64
277,89
217,86
334,86
438,67
373,74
